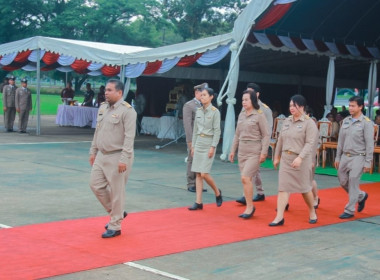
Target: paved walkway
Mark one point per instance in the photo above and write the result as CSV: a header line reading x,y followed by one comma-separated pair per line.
x,y
45,178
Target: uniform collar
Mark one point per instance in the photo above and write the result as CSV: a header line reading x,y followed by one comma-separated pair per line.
x,y
209,107
197,101
358,119
117,104
302,118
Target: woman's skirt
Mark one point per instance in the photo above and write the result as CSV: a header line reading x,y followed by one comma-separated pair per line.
x,y
294,180
249,157
201,162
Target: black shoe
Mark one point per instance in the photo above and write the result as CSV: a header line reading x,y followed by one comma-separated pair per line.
x,y
219,199
111,233
247,216
191,189
280,223
196,206
259,197
361,204
241,200
125,214
313,221
9,130
316,206
286,207
346,216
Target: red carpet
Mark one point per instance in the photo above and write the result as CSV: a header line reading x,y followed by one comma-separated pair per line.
x,y
43,250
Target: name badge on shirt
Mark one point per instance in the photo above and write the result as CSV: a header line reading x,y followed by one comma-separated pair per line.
x,y
299,126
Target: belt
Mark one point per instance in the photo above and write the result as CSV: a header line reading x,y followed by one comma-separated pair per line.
x,y
290,152
111,152
354,155
250,140
205,135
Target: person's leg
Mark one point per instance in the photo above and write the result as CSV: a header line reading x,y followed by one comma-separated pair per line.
x,y
190,176
199,188
282,201
309,199
99,184
210,181
248,193
258,183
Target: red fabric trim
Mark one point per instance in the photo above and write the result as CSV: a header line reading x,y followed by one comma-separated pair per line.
x,y
189,60
110,71
14,66
299,44
152,67
22,56
274,14
364,52
80,66
342,49
252,38
321,46
50,58
50,67
275,41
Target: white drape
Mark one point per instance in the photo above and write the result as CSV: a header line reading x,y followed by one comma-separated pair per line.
x,y
329,85
372,80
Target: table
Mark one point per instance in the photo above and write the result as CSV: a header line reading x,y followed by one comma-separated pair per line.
x,y
165,127
76,116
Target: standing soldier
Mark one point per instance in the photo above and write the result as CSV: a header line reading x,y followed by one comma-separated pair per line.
x,y
23,105
354,155
111,154
260,196
189,111
9,93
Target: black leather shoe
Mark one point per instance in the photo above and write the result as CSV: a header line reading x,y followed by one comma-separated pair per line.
x,y
361,204
313,221
111,233
259,197
247,216
125,214
196,206
191,189
241,200
316,206
219,199
346,216
280,223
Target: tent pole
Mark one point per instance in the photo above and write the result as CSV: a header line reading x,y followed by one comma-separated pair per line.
x,y
38,132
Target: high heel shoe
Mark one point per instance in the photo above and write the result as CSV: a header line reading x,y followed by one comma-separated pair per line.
x,y
286,207
196,206
313,221
247,216
316,206
280,223
219,199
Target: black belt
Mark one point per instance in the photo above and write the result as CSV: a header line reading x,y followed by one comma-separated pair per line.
x,y
290,152
354,155
111,152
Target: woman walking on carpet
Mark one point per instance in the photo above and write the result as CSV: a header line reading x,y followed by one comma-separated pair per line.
x,y
252,140
206,135
295,147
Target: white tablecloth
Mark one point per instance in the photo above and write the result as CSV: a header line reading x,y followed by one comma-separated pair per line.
x,y
167,127
76,116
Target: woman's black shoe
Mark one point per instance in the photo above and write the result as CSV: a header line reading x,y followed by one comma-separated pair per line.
x,y
247,216
316,206
196,206
280,223
219,199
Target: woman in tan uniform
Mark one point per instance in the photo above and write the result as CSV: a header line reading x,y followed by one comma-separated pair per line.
x,y
252,138
295,147
206,135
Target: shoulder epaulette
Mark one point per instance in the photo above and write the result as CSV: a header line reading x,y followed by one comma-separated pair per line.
x,y
307,117
367,119
260,111
265,105
103,103
126,104
199,108
213,108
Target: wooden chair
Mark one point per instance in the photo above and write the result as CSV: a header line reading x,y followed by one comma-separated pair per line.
x,y
325,131
275,132
376,150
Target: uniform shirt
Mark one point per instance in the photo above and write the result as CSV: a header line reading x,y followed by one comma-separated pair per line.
x,y
23,99
115,130
252,127
297,136
207,122
67,93
9,94
268,115
356,137
189,111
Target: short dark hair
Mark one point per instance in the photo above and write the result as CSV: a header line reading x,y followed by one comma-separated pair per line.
x,y
298,100
253,97
358,99
211,92
255,87
118,84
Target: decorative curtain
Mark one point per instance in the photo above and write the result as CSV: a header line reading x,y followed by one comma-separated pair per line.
x,y
329,85
372,80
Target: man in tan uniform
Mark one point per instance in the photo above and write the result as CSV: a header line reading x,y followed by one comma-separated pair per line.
x,y
260,196
189,111
354,155
9,106
111,154
23,105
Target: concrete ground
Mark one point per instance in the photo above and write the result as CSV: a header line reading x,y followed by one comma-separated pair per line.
x,y
45,178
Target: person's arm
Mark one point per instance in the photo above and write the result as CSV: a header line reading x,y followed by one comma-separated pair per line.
x,y
264,130
129,125
311,135
369,143
17,100
187,120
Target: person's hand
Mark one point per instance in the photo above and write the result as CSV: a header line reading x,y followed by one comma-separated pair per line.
x,y
296,162
263,158
4,109
276,161
231,157
336,164
92,159
211,152
192,152
189,146
122,167
366,169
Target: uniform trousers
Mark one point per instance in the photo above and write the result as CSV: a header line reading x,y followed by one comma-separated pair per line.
x,y
23,118
9,117
190,175
108,186
349,173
